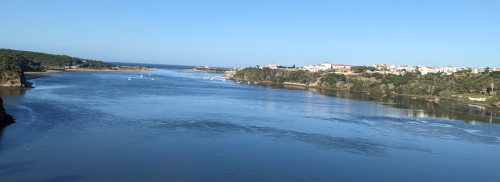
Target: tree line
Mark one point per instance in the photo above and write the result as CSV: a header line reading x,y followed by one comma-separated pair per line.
x,y
35,61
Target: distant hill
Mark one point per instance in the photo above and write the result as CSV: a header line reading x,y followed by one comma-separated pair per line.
x,y
13,64
15,60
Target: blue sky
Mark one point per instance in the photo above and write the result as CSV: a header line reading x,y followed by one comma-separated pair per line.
x,y
247,33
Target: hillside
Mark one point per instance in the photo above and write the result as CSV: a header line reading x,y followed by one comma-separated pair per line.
x,y
14,63
36,61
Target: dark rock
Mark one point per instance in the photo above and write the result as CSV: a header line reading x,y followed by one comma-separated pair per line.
x,y
5,119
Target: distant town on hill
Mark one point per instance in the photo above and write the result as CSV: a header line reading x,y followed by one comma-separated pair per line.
x,y
381,68
471,85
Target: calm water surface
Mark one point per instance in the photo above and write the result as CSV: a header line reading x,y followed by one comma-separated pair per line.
x,y
98,126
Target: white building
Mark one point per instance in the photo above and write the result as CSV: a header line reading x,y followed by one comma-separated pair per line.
x,y
327,65
316,67
494,69
448,70
384,66
338,66
427,69
272,66
406,68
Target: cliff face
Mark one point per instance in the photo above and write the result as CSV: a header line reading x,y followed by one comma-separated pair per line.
x,y
5,119
12,79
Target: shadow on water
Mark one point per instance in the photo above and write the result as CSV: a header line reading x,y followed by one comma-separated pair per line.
x,y
14,167
417,107
63,178
1,135
435,128
204,128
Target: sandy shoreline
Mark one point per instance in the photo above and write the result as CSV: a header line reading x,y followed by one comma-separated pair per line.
x,y
38,74
70,70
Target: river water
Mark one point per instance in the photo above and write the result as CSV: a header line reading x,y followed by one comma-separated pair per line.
x,y
100,126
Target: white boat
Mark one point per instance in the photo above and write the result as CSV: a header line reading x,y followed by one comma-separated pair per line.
x,y
129,78
153,78
478,99
141,75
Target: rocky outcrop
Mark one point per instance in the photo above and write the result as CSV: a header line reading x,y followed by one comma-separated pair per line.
x,y
12,79
5,119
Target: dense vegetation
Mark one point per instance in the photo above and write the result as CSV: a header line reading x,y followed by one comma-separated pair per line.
x,y
35,61
277,75
436,85
17,63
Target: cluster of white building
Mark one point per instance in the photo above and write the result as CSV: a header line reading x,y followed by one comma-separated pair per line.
x,y
327,66
271,66
402,69
317,67
387,68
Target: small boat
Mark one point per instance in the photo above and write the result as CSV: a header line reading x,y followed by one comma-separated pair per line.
x,y
149,74
141,75
477,99
436,100
129,78
153,78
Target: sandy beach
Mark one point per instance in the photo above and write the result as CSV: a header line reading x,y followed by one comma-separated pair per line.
x,y
38,74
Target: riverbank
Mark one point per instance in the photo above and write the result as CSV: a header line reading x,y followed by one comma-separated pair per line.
x,y
209,70
482,87
414,97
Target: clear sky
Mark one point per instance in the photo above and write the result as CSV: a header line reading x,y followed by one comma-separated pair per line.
x,y
247,33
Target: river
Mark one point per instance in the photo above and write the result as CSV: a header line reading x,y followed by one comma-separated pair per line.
x,y
100,126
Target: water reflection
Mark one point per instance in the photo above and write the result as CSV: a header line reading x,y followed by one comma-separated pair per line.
x,y
12,91
449,110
